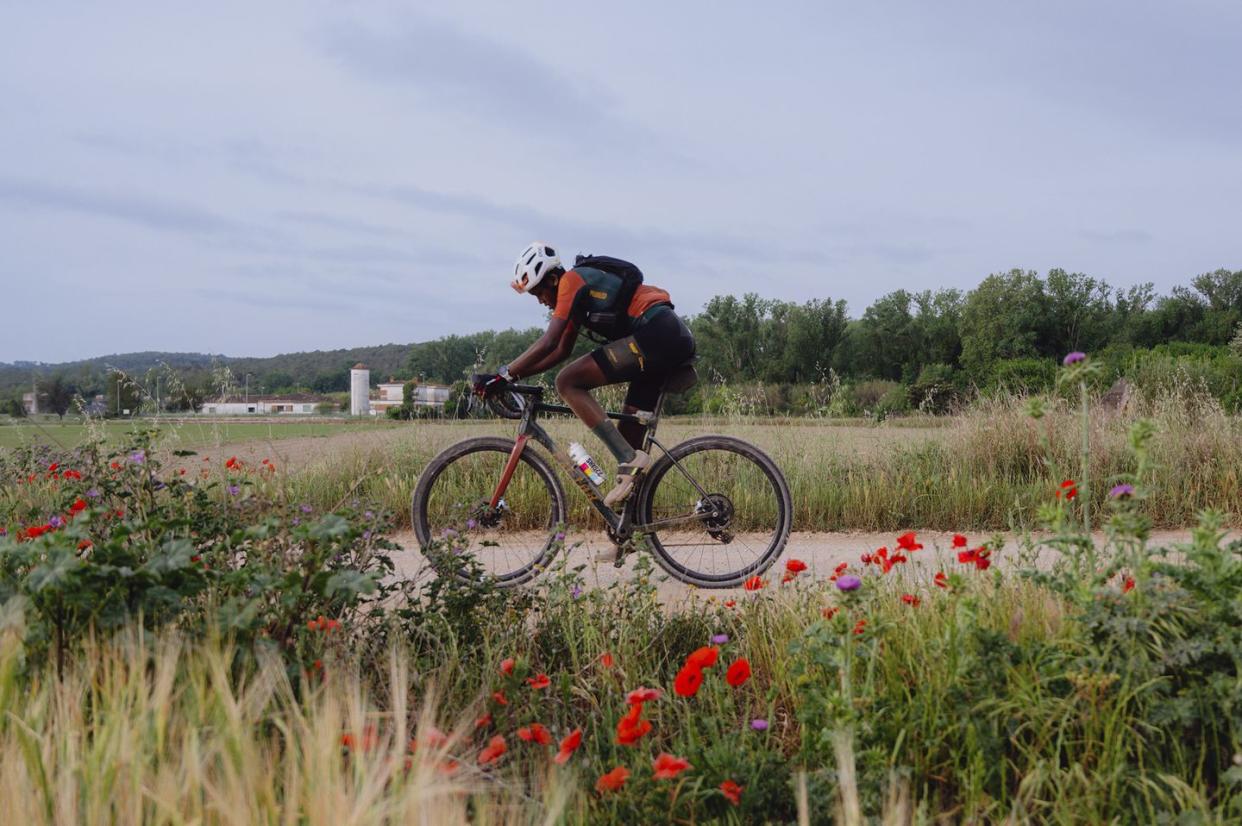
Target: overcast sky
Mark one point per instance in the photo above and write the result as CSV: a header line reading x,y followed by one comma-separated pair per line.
x,y
254,178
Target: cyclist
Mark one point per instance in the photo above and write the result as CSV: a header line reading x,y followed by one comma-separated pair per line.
x,y
645,341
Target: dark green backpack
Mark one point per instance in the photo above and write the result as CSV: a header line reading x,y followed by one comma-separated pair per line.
x,y
614,322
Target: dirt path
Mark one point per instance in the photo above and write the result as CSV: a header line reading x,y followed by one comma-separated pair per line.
x,y
822,552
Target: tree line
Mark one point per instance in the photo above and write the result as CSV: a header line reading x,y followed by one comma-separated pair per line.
x,y
1009,329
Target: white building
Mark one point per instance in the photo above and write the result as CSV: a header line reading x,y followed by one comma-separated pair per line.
x,y
392,394
300,404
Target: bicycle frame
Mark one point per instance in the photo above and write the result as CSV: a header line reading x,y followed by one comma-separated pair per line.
x,y
620,525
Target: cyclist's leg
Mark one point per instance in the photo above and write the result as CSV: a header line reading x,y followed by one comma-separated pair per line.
x,y
642,397
575,384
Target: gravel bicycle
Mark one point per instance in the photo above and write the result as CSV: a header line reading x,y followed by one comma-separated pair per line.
x,y
713,510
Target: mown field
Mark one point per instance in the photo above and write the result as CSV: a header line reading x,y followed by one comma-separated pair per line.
x,y
185,432
228,645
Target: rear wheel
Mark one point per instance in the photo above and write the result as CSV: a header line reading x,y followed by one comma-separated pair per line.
x,y
508,544
718,515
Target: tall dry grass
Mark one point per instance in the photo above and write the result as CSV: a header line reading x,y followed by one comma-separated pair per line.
x,y
154,730
984,469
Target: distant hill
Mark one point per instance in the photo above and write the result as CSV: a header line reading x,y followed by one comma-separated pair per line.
x,y
322,370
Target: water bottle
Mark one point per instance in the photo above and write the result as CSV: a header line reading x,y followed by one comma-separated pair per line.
x,y
586,464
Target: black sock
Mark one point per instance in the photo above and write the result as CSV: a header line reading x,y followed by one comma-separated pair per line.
x,y
613,440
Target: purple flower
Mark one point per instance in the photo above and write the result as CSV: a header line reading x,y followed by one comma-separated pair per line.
x,y
56,522
576,592
137,457
560,536
296,521
1121,491
93,493
305,508
471,524
849,582
1073,358
366,535
234,490
720,639
448,533
369,515
759,724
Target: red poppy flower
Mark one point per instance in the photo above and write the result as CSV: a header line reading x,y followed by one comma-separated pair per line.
x,y
1068,489
959,541
732,792
795,566
704,657
495,748
688,681
506,666
432,738
910,599
642,695
568,746
1127,585
538,681
754,584
982,560
830,612
941,580
888,562
84,544
232,463
52,467
738,673
907,542
860,626
865,559
606,659
71,474
632,727
500,698
730,603
613,780
535,733
485,720
668,767
837,571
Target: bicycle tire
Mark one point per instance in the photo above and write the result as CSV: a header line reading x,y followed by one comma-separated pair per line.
x,y
532,459
769,470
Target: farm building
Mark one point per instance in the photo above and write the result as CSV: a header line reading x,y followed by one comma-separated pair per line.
x,y
300,404
389,394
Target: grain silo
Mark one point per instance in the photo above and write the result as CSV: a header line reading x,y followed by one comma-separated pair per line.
x,y
359,390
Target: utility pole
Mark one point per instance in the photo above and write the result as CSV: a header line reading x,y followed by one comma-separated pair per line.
x,y
34,394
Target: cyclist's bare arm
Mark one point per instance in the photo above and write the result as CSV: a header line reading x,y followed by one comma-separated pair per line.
x,y
553,347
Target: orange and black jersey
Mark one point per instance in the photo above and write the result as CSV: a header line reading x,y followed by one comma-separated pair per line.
x,y
585,290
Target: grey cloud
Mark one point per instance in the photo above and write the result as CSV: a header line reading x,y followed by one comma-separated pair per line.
x,y
148,212
465,70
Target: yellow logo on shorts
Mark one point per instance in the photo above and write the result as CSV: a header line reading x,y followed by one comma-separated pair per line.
x,y
634,349
598,294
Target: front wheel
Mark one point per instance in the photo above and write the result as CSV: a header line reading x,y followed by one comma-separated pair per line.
x,y
507,544
716,511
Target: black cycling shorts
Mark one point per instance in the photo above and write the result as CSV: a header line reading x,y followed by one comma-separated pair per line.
x,y
646,358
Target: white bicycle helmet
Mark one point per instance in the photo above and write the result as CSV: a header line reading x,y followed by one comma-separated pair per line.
x,y
532,265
